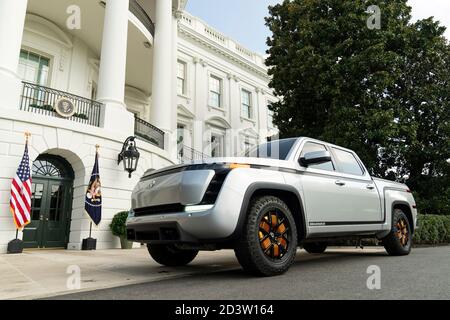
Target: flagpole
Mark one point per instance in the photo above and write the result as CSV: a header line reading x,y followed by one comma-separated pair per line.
x,y
97,147
27,139
16,246
90,243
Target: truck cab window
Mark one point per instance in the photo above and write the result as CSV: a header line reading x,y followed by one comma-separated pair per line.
x,y
313,147
348,163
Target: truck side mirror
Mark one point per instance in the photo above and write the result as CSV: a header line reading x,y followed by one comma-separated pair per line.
x,y
317,157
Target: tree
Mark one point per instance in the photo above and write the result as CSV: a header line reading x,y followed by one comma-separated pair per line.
x,y
345,83
422,144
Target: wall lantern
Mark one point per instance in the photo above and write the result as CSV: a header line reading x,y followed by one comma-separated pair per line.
x,y
129,155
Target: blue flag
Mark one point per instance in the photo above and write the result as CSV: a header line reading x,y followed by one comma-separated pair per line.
x,y
93,202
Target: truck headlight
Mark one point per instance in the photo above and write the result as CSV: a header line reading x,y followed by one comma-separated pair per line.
x,y
198,208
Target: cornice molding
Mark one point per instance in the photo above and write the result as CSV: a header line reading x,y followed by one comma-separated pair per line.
x,y
208,43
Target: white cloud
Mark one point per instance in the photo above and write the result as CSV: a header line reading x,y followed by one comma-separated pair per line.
x,y
439,9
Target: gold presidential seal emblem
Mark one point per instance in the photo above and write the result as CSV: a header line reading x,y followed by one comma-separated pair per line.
x,y
65,107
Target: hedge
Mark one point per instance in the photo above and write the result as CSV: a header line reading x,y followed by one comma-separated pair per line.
x,y
432,230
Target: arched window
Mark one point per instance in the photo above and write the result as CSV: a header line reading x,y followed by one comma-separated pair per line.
x,y
50,166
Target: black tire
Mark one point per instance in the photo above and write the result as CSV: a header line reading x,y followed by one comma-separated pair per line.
x,y
170,256
283,244
395,243
315,247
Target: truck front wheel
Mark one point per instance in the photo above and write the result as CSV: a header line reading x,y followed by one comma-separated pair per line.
x,y
171,256
268,244
399,240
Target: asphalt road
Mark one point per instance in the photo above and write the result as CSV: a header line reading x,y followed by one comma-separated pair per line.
x,y
425,274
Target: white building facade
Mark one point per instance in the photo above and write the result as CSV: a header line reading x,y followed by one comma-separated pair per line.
x,y
143,68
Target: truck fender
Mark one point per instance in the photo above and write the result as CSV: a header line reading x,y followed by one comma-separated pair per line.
x,y
274,187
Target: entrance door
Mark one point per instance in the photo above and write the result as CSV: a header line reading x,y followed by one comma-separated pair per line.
x,y
51,205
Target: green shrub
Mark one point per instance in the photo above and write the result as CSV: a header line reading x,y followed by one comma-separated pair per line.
x,y
118,226
45,107
432,229
81,116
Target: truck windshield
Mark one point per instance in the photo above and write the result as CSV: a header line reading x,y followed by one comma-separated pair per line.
x,y
278,149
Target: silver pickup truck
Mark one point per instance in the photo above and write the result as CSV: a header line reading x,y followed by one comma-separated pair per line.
x,y
285,194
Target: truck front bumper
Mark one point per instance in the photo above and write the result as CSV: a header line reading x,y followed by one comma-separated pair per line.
x,y
178,227
191,224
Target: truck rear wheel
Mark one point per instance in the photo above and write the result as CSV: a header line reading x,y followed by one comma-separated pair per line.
x,y
315,247
268,244
399,240
170,256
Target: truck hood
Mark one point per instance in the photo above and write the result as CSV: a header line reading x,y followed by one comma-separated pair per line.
x,y
244,160
240,160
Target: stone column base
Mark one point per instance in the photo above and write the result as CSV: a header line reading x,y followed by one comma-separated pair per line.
x,y
115,117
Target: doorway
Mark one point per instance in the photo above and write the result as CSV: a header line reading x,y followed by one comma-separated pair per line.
x,y
51,203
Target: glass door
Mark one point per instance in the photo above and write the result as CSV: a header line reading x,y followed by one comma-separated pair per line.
x,y
50,212
32,234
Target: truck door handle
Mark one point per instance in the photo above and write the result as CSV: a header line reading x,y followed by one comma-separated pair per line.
x,y
370,187
340,183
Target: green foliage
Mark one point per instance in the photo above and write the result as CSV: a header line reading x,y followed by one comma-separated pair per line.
x,y
383,93
48,107
118,226
81,116
45,107
433,229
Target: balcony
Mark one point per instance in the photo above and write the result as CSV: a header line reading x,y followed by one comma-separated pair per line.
x,y
187,154
42,100
149,133
139,12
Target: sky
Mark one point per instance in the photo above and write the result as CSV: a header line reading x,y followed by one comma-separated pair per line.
x,y
243,20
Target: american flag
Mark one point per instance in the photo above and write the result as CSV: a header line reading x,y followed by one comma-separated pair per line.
x,y
20,203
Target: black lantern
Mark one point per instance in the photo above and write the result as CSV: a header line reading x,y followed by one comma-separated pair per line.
x,y
129,155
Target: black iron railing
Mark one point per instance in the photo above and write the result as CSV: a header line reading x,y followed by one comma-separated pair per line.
x,y
42,100
139,12
186,154
149,132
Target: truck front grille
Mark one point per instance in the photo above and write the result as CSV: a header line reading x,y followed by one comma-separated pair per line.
x,y
214,187
155,210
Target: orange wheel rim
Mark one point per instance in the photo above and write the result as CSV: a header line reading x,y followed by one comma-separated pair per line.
x,y
274,234
402,232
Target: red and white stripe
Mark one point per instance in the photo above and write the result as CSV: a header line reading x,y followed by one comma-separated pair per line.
x,y
21,202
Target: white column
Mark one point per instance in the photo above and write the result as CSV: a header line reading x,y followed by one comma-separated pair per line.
x,y
200,102
173,148
261,115
162,105
111,85
12,20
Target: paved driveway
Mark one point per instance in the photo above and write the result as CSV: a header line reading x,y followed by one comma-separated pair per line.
x,y
337,274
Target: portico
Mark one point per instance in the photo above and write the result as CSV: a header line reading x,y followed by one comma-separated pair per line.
x,y
106,69
125,32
